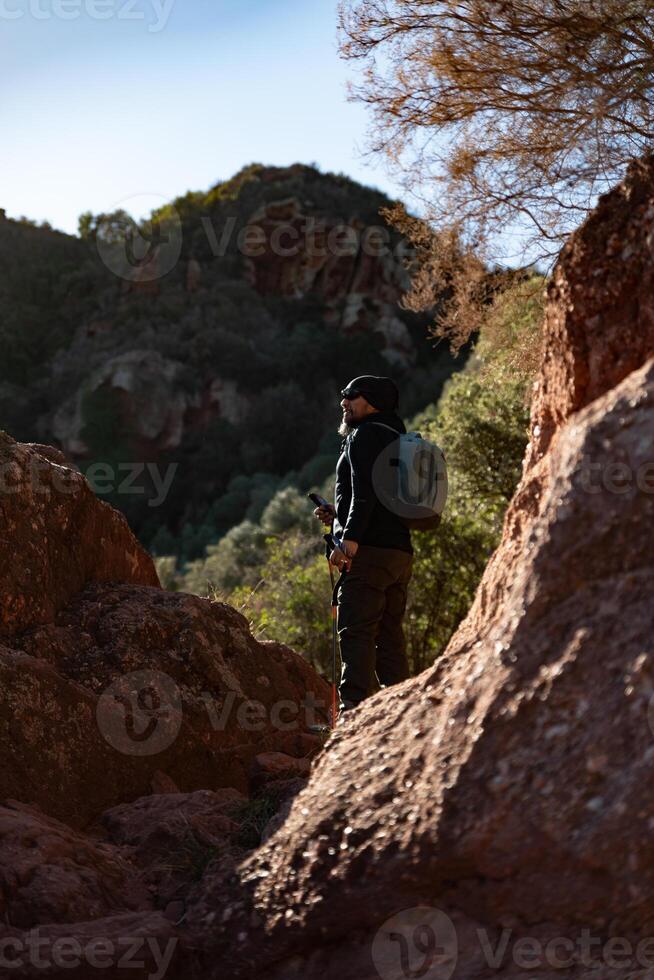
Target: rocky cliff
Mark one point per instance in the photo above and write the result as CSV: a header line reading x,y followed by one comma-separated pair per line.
x,y
494,813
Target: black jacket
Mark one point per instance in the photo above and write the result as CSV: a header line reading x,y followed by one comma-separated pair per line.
x,y
359,514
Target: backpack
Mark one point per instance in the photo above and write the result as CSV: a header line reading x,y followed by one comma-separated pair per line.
x,y
410,479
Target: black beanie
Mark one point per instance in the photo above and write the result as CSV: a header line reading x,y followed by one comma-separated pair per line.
x,y
381,393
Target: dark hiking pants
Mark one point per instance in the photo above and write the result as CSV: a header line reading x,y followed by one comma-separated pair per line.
x,y
371,604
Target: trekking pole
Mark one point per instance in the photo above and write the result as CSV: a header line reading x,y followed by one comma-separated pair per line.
x,y
333,543
334,643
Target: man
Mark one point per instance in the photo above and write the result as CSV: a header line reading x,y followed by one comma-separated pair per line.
x,y
376,545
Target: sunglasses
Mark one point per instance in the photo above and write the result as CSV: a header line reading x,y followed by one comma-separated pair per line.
x,y
350,393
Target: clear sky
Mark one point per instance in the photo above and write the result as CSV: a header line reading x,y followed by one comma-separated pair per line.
x,y
104,100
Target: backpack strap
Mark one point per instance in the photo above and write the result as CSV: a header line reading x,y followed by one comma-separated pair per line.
x,y
389,427
348,438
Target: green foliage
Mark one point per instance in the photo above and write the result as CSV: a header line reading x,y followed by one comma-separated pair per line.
x,y
110,226
481,424
103,428
288,510
167,571
446,572
236,559
482,427
292,603
40,301
483,433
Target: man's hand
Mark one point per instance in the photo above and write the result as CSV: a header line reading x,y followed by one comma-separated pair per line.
x,y
342,557
325,514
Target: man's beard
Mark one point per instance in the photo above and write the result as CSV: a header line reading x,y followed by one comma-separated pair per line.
x,y
344,429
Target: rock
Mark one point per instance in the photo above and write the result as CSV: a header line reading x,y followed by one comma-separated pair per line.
x,y
146,394
362,280
149,395
145,943
285,792
175,910
54,754
162,783
130,681
270,767
445,792
152,824
347,268
600,311
174,837
63,535
52,874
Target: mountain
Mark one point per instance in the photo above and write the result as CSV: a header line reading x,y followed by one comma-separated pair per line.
x,y
188,377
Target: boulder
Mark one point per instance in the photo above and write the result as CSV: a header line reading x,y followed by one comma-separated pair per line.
x,y
53,874
130,681
147,944
175,837
270,767
56,536
110,684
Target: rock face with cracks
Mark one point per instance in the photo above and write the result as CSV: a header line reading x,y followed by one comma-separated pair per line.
x,y
509,787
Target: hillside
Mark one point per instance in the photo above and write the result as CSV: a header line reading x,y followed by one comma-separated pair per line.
x,y
204,388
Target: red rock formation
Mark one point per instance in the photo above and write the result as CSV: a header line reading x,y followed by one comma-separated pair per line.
x,y
56,536
110,689
219,697
107,681
357,270
600,314
508,787
53,874
150,401
174,836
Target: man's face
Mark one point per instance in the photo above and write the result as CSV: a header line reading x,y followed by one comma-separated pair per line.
x,y
355,408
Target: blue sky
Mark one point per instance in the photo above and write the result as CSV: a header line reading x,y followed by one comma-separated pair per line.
x,y
163,96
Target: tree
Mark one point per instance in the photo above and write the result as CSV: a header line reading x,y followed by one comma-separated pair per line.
x,y
111,227
505,116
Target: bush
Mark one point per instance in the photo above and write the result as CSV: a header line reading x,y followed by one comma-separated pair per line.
x,y
292,603
235,560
